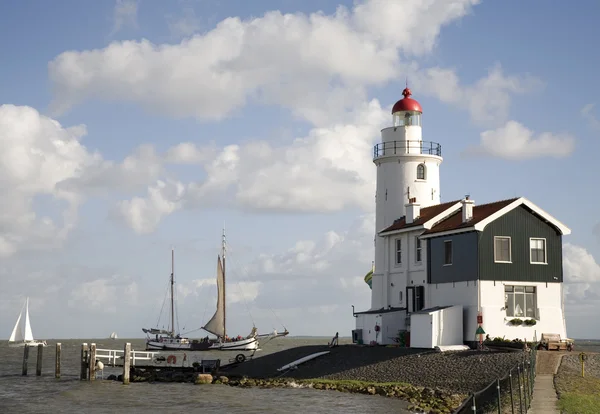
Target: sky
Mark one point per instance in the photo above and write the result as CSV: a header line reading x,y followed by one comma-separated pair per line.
x,y
131,127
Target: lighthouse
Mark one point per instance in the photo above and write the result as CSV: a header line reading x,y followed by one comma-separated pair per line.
x,y
446,272
408,179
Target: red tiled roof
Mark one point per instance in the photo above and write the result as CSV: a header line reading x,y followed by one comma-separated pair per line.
x,y
481,212
426,214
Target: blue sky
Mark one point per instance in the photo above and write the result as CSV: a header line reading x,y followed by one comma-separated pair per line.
x,y
302,100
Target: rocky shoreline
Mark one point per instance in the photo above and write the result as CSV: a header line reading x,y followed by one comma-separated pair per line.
x,y
433,382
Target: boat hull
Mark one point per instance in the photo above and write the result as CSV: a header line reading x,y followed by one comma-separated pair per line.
x,y
247,344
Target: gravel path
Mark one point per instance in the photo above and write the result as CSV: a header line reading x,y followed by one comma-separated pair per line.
x,y
459,372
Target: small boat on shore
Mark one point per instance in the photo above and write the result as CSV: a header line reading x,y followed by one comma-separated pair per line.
x,y
302,360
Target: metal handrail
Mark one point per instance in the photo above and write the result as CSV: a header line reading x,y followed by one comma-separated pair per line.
x,y
384,149
115,356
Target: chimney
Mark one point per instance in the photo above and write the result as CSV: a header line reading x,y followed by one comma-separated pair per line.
x,y
413,210
467,209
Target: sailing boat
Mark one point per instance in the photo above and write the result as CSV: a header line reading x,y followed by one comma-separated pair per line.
x,y
20,338
113,335
167,339
217,324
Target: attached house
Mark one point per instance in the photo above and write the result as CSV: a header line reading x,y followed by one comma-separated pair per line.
x,y
501,261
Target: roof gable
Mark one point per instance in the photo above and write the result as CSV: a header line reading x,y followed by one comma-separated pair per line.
x,y
480,213
426,215
487,213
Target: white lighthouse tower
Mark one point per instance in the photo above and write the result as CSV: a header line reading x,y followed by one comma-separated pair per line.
x,y
408,174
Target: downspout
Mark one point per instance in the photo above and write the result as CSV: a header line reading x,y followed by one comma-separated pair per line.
x,y
386,272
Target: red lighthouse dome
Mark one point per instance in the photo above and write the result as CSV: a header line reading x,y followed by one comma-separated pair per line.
x,y
407,103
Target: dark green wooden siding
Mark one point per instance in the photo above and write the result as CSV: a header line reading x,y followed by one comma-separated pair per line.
x,y
464,258
520,224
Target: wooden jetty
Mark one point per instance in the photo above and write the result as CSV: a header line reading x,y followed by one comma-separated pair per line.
x,y
127,358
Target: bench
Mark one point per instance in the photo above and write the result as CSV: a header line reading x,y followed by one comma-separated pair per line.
x,y
552,341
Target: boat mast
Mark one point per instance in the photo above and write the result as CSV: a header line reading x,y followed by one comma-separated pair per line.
x,y
172,283
224,284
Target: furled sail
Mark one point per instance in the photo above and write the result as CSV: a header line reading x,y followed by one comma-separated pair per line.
x,y
216,325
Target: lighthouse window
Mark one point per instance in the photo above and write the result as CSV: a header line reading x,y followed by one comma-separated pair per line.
x,y
398,251
421,172
520,301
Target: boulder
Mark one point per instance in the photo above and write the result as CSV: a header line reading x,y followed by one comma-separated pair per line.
x,y
203,379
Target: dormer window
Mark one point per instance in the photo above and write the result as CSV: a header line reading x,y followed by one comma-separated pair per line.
x,y
421,172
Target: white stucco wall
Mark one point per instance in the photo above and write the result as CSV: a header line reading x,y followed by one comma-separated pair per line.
x,y
459,293
390,323
549,304
437,328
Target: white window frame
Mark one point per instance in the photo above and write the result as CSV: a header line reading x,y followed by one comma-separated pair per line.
x,y
545,262
451,253
534,294
398,251
509,249
418,250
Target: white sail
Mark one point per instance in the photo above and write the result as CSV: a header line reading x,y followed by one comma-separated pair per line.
x,y
113,335
17,332
28,333
216,325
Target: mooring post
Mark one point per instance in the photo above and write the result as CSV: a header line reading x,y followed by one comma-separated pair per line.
x,y
84,361
25,358
92,362
126,363
57,363
40,355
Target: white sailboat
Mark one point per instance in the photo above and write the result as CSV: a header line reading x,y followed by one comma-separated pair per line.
x,y
167,339
21,334
113,335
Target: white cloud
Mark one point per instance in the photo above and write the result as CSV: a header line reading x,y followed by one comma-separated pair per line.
x,y
326,171
124,14
587,112
102,295
144,214
582,277
488,100
38,154
514,141
296,60
135,172
189,153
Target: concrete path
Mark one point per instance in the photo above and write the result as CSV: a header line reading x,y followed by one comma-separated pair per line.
x,y
545,400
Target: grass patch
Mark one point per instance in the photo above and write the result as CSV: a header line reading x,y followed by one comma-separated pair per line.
x,y
578,395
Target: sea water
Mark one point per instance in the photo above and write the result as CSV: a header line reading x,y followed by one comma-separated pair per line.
x,y
45,394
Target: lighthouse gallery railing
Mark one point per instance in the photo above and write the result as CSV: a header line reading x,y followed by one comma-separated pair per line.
x,y
406,147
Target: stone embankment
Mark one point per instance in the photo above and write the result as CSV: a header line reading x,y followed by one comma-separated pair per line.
x,y
434,382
